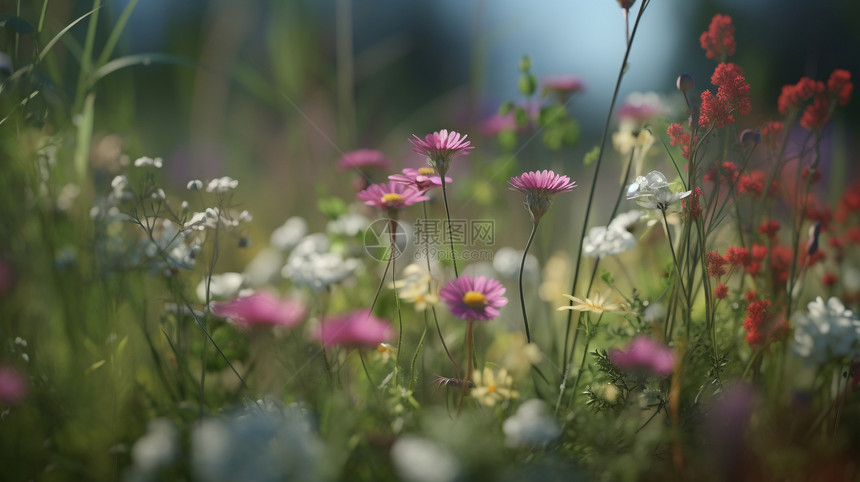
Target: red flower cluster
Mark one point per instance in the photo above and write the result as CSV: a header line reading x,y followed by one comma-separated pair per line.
x,y
771,135
695,208
756,321
719,40
721,291
716,264
825,97
726,172
677,137
828,280
769,228
849,203
753,183
732,97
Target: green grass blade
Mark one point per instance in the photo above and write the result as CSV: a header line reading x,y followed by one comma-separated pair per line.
x,y
61,33
115,33
138,59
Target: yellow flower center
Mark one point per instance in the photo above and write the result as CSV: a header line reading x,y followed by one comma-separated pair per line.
x,y
419,298
474,299
391,197
491,388
426,171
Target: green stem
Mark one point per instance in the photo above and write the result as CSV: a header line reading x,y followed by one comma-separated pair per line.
x,y
599,162
450,231
522,268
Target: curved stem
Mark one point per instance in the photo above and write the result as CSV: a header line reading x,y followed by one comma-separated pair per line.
x,y
430,290
599,162
522,267
469,366
450,231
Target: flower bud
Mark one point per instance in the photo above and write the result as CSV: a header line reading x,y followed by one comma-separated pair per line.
x,y
685,82
750,138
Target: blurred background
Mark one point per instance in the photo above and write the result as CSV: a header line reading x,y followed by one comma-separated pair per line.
x,y
273,92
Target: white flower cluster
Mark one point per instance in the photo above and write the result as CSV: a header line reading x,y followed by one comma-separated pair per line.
x,y
148,161
828,332
222,184
531,425
612,239
212,216
311,263
653,191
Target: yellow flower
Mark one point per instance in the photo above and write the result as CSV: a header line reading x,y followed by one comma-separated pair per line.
x,y
596,305
416,286
492,387
385,351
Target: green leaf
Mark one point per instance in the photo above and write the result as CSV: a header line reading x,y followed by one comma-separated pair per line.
x,y
506,107
528,84
16,24
331,207
607,277
95,366
591,156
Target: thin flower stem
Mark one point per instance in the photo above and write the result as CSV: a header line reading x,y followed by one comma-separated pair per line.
x,y
430,289
366,373
522,268
598,163
469,366
450,231
677,268
392,232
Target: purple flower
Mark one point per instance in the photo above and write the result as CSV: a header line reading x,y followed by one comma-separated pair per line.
x,y
391,196
13,386
441,147
422,179
260,309
356,329
539,187
645,354
474,298
362,158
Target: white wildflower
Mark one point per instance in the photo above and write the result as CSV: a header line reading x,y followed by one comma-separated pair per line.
x,y
221,286
531,425
828,332
148,161
157,448
418,459
653,191
194,185
222,184
349,224
507,261
607,240
289,234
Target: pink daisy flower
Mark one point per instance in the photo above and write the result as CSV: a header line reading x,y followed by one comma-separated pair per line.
x,y
539,187
645,354
422,179
260,309
391,196
362,158
356,329
441,148
474,298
